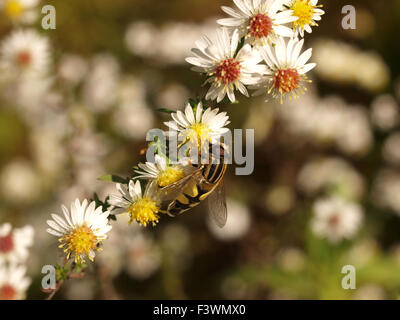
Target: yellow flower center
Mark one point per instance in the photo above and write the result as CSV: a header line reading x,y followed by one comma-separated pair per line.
x,y
144,211
304,10
14,9
170,176
199,133
80,241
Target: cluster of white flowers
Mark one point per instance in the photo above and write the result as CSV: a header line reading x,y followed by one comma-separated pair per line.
x,y
255,33
321,121
259,47
324,174
144,39
25,60
14,245
249,51
346,64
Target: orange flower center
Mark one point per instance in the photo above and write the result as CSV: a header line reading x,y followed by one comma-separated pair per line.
x,y
24,58
286,80
7,292
260,26
228,71
334,221
6,244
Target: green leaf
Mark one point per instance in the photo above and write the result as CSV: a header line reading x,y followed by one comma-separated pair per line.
x,y
112,178
165,110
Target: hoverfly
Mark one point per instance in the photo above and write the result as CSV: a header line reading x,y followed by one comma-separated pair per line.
x,y
204,182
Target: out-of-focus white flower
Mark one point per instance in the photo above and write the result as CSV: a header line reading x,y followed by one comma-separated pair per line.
x,y
227,71
237,224
356,138
143,256
336,219
144,39
326,119
88,147
72,68
114,249
197,127
25,53
133,118
173,96
261,118
291,259
13,282
344,63
141,37
287,68
391,149
370,292
133,122
326,174
385,113
100,87
307,13
30,95
81,230
321,122
20,182
386,190
260,21
131,92
48,151
20,11
280,199
14,244
86,178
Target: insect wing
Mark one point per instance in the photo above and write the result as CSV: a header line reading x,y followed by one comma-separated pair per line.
x,y
217,205
171,192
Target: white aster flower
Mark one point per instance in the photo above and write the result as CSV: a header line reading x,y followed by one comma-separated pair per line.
x,y
306,12
197,127
20,11
142,208
25,52
14,244
82,230
13,282
336,219
288,68
227,70
161,171
260,21
237,224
